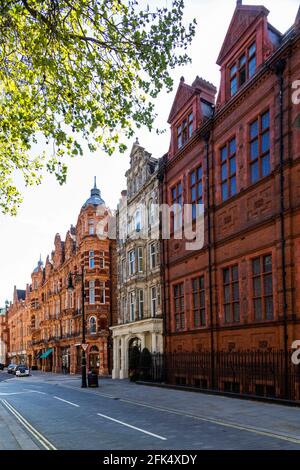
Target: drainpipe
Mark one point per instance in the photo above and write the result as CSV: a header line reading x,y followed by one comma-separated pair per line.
x,y
279,70
209,241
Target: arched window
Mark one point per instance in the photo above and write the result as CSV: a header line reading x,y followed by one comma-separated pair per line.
x,y
93,325
138,221
151,213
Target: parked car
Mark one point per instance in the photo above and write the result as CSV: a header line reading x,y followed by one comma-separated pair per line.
x,y
2,366
22,371
11,368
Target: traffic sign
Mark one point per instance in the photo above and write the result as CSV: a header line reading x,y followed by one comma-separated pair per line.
x,y
84,346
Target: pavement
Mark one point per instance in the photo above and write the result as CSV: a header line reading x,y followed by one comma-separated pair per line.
x,y
52,411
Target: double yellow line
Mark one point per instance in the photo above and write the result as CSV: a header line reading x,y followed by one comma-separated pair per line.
x,y
34,432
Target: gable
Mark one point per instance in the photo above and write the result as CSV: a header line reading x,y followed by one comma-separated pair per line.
x,y
183,95
244,16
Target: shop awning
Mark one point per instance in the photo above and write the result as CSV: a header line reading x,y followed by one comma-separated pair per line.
x,y
46,354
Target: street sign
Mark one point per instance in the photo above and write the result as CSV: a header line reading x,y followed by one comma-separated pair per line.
x,y
84,346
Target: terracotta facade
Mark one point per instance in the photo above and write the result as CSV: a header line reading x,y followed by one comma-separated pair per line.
x,y
45,321
241,156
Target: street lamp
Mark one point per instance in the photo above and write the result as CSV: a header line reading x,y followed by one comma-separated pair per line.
x,y
71,289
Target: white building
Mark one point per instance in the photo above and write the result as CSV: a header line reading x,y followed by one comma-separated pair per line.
x,y
140,312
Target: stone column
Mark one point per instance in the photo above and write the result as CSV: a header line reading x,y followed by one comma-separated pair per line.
x,y
116,371
124,358
153,343
143,341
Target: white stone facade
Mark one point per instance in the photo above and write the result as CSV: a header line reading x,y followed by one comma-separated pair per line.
x,y
140,313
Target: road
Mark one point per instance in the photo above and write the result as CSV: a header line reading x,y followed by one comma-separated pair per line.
x,y
56,413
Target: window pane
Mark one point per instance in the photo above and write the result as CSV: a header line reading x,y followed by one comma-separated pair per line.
x,y
235,291
268,284
243,76
254,129
269,308
193,194
252,67
227,294
235,273
179,142
265,165
254,150
236,311
202,299
224,154
256,266
254,172
195,300
202,314
233,70
257,309
199,173
265,121
232,164
267,262
257,287
232,146
224,191
224,171
190,130
243,60
193,178
265,142
200,189
252,49
194,211
227,313
202,282
233,186
234,86
226,277
179,188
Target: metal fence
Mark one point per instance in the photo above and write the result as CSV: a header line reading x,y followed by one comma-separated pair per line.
x,y
256,373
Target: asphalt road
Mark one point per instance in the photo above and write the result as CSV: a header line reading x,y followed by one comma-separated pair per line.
x,y
58,414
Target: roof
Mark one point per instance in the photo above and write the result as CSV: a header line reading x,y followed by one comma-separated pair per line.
x,y
244,16
95,198
39,266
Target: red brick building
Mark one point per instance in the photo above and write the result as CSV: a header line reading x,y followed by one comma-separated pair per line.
x,y
238,153
45,321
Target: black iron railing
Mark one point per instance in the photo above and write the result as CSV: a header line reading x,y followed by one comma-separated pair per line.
x,y
255,373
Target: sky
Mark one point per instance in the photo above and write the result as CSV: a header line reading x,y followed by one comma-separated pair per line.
x,y
50,208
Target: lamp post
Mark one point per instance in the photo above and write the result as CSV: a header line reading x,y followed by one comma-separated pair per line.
x,y
83,356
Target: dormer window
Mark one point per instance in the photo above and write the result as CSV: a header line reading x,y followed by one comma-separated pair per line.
x,y
185,130
243,69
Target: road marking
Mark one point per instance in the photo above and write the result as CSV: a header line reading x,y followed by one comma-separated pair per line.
x,y
219,422
37,435
21,393
66,401
133,427
247,428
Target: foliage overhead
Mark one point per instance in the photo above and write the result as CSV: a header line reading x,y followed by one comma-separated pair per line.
x,y
80,68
